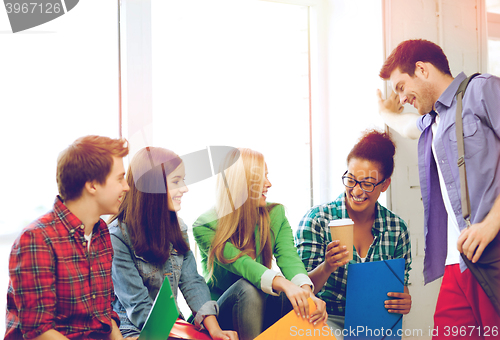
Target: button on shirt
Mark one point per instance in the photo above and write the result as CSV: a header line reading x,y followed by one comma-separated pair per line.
x,y
481,126
56,282
391,240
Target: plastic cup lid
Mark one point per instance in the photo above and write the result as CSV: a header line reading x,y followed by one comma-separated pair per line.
x,y
341,222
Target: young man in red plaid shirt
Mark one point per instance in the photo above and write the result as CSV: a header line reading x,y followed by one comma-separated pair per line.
x,y
60,266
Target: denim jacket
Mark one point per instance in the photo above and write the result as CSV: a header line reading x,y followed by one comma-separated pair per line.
x,y
137,281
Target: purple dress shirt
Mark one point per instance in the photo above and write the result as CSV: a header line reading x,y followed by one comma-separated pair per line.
x,y
481,123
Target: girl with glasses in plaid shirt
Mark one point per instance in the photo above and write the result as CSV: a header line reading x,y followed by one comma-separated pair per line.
x,y
379,234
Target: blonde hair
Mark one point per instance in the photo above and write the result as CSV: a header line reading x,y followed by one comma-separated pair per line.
x,y
238,193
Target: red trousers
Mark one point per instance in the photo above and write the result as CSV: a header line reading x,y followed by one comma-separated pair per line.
x,y
463,310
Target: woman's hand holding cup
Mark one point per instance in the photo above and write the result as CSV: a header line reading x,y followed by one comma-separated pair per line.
x,y
336,256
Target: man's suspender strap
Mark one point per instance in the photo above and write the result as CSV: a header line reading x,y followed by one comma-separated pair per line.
x,y
464,192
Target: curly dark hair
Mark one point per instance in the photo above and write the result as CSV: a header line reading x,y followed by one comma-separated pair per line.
x,y
378,147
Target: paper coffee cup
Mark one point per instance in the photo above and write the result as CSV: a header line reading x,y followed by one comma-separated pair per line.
x,y
342,230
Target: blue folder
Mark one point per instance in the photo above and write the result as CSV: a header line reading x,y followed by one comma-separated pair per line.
x,y
367,286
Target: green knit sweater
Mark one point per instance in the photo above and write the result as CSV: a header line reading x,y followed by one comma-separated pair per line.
x,y
225,275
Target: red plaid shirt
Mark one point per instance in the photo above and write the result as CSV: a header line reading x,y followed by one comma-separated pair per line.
x,y
56,283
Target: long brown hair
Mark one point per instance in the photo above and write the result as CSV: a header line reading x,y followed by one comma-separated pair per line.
x,y
237,205
152,227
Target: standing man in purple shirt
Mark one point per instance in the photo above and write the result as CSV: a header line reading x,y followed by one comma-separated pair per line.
x,y
420,75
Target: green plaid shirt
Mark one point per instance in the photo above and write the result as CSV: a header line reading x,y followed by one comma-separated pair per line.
x,y
391,241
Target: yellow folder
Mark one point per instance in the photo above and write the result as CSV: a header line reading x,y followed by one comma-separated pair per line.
x,y
292,327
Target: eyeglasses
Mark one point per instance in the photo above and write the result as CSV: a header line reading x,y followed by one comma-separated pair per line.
x,y
364,185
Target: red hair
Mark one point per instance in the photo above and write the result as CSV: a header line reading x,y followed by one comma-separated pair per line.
x,y
89,158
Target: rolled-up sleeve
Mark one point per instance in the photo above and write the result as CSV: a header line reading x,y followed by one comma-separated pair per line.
x,y
266,281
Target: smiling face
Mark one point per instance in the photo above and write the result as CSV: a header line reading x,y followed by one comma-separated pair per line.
x,y
176,187
110,194
358,200
267,184
415,90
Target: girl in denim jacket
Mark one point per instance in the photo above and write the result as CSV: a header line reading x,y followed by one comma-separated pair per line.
x,y
150,244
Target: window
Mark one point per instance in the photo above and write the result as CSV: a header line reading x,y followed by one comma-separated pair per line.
x,y
59,82
222,72
258,74
62,83
240,80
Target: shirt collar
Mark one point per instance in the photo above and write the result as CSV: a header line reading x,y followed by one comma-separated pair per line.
x,y
344,213
69,220
446,99
379,216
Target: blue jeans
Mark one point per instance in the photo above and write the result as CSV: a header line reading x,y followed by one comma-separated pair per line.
x,y
336,324
248,310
